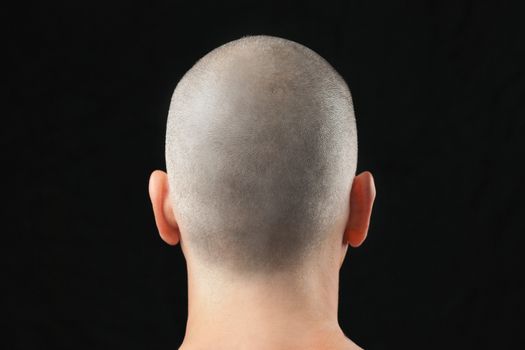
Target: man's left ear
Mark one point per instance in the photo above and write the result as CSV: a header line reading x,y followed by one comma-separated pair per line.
x,y
162,208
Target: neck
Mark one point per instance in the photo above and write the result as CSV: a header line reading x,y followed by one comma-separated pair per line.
x,y
288,311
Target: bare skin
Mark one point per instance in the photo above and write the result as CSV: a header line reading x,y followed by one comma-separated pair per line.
x,y
292,310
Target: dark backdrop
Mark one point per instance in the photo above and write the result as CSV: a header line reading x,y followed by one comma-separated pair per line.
x,y
439,96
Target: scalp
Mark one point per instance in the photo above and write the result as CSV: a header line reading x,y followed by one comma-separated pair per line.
x,y
261,149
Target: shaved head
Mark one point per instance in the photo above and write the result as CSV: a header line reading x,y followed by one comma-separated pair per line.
x,y
261,152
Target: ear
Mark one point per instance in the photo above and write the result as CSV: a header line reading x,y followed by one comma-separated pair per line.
x,y
162,209
362,198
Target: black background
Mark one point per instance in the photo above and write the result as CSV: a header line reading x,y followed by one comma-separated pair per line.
x,y
439,95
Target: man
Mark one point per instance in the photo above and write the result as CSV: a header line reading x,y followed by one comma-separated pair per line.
x,y
261,192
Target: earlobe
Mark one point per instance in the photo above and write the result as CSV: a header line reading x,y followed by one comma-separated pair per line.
x,y
361,201
162,209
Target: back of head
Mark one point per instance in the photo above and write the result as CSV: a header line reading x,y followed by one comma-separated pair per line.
x,y
261,151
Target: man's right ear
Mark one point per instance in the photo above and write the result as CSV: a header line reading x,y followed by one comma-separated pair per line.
x,y
162,209
362,198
